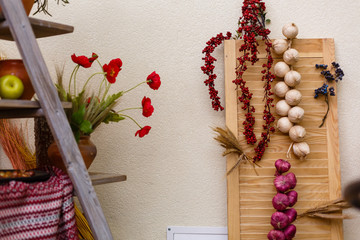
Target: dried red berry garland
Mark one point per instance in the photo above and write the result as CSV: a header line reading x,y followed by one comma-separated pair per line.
x,y
251,26
208,68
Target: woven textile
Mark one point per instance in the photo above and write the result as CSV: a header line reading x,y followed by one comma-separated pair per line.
x,y
39,210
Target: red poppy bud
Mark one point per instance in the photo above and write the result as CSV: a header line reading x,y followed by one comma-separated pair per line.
x,y
143,131
84,61
153,80
148,109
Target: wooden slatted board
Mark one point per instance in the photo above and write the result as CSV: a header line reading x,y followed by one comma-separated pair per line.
x,y
249,194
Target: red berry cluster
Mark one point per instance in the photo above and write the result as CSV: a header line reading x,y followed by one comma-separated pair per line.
x,y
251,26
208,68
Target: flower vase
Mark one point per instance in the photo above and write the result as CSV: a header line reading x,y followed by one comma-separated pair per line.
x,y
16,67
87,149
28,4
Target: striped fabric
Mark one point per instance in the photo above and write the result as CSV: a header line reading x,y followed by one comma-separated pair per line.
x,y
39,210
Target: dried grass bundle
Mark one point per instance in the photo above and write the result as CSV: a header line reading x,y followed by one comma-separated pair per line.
x,y
82,225
228,141
15,146
329,210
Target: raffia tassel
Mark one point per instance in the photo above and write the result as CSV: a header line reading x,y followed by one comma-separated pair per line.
x,y
330,210
228,141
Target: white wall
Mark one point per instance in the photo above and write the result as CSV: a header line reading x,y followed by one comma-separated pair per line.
x,y
176,174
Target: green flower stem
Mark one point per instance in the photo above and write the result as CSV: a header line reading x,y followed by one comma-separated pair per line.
x,y
99,64
75,92
135,86
101,85
106,92
128,109
71,77
90,78
131,119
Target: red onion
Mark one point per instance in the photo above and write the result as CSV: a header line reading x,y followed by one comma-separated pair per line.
x,y
279,220
293,196
290,232
276,235
280,201
291,213
291,180
282,166
282,183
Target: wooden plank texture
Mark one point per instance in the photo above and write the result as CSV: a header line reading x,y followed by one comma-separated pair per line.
x,y
318,176
40,78
23,108
41,28
98,178
231,112
16,104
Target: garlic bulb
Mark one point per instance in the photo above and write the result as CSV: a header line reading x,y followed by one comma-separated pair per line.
x,y
281,68
293,97
280,89
301,150
282,108
292,78
280,46
284,125
290,30
291,56
297,133
296,114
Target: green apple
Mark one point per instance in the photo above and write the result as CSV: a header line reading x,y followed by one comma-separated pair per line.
x,y
11,87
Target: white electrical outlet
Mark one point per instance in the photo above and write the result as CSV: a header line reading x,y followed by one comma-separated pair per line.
x,y
196,233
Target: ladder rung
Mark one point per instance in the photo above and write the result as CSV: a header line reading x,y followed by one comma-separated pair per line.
x,y
23,108
98,178
40,27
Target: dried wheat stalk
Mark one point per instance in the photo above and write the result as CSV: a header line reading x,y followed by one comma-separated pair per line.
x,y
329,210
228,141
15,146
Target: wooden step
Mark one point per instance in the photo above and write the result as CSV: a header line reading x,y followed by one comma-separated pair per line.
x,y
98,178
23,108
40,27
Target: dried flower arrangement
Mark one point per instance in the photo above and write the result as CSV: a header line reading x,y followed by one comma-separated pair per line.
x,y
336,76
42,6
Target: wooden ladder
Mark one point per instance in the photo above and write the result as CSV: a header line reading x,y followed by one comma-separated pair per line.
x,y
51,107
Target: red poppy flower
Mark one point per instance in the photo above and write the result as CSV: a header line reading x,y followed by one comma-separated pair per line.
x,y
143,131
153,80
112,70
116,61
83,60
148,109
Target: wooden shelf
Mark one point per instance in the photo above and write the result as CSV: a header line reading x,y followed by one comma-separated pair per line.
x,y
98,178
23,108
41,29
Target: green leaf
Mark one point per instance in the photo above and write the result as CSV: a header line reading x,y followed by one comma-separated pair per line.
x,y
78,117
113,117
86,127
268,21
